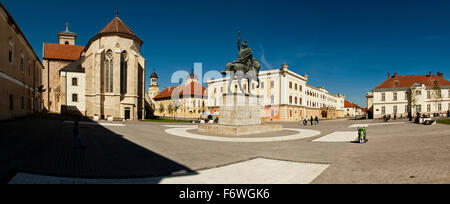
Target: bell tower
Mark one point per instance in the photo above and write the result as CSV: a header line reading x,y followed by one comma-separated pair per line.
x,y
66,37
153,89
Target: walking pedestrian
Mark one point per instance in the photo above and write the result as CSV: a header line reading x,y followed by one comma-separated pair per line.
x,y
317,120
312,121
78,143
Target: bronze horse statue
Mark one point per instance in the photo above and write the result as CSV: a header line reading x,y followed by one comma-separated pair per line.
x,y
241,71
246,67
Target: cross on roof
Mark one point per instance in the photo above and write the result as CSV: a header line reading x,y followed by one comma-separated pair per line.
x,y
67,26
117,12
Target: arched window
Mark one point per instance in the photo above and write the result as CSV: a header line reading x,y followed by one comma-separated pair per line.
x,y
67,42
123,72
11,50
109,71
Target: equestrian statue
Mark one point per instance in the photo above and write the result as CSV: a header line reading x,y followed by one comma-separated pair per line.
x,y
246,67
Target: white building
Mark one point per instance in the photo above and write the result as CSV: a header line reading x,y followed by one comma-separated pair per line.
x,y
352,110
431,94
73,79
287,96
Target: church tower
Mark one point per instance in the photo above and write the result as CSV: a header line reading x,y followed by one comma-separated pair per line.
x,y
191,78
66,37
153,89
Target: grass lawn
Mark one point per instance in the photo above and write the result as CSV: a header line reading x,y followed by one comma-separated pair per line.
x,y
166,121
444,121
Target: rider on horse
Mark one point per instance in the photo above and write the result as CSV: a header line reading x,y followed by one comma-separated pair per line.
x,y
245,64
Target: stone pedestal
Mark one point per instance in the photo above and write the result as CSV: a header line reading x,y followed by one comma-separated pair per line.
x,y
241,110
238,130
240,114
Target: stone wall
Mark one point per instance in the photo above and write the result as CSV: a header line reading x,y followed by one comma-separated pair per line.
x,y
51,80
113,104
18,81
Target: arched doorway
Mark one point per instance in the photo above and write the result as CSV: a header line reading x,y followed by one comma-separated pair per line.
x,y
324,114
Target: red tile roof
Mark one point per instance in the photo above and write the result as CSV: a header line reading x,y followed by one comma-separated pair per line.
x,y
347,104
117,26
187,90
62,52
408,81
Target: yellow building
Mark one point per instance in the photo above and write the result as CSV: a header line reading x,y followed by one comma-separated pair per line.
x,y
188,100
20,71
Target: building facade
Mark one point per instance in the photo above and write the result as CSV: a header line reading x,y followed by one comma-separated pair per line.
x,y
401,95
352,110
188,100
55,57
369,111
20,71
287,96
107,80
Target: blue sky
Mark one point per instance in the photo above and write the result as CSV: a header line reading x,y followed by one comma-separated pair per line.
x,y
346,46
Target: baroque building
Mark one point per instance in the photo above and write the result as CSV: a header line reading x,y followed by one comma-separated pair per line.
x,y
286,96
188,100
410,94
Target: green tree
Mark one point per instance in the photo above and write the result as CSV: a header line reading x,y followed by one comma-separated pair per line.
x,y
162,109
436,95
170,108
176,107
412,100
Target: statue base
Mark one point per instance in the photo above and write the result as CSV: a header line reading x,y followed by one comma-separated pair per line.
x,y
238,130
240,114
241,110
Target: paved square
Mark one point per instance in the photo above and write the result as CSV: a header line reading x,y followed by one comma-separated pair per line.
x,y
339,137
375,124
256,171
141,152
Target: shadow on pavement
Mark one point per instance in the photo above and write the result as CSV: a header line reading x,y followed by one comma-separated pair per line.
x,y
45,147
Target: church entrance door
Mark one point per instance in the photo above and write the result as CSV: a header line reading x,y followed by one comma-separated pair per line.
x,y
127,113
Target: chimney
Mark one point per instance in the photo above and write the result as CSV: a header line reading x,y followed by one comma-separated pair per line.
x,y
395,75
440,75
429,75
389,75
